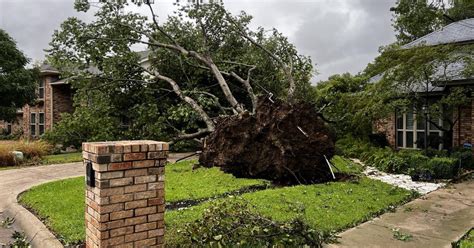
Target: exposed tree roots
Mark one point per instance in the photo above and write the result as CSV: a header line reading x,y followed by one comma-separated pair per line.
x,y
280,142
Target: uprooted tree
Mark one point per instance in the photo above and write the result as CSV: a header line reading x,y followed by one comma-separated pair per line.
x,y
240,93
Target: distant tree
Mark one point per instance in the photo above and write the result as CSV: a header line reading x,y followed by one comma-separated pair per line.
x,y
17,84
341,100
416,18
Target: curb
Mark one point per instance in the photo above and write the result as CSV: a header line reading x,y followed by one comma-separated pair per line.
x,y
38,234
34,229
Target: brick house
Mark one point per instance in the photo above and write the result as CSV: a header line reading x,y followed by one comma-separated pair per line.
x,y
54,98
405,130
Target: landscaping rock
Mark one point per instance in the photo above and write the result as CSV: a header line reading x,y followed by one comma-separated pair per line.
x,y
280,142
400,180
18,155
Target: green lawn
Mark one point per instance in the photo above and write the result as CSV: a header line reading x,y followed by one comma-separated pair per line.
x,y
61,203
62,158
330,206
345,165
467,241
184,183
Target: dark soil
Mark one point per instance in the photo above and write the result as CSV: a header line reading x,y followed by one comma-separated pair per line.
x,y
280,142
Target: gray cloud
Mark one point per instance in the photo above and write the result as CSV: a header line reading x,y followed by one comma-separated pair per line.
x,y
339,35
32,22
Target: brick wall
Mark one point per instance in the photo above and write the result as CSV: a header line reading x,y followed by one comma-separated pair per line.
x,y
126,206
387,127
62,101
17,125
463,130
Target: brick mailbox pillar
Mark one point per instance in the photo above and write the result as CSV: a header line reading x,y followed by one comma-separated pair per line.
x,y
125,200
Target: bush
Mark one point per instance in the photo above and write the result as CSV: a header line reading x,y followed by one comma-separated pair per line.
x,y
385,160
30,150
236,223
465,156
6,157
443,168
34,149
353,147
432,165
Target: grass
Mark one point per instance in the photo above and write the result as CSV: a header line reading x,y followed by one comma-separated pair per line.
x,y
61,204
328,207
331,207
467,241
184,183
62,158
345,165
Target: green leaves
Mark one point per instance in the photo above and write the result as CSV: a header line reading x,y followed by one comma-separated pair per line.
x,y
99,62
235,222
17,84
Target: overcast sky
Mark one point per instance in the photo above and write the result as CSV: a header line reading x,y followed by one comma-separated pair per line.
x,y
339,35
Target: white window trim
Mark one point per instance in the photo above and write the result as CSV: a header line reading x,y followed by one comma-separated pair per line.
x,y
44,89
415,131
41,124
35,124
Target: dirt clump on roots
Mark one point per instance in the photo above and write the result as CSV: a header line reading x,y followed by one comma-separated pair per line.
x,y
281,142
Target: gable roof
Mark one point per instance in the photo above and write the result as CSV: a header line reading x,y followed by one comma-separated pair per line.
x,y
456,32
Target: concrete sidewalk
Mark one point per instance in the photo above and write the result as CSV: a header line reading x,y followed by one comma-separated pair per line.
x,y
434,220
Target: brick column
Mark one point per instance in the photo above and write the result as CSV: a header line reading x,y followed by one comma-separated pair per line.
x,y
126,206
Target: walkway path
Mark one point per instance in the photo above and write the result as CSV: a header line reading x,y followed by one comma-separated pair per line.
x,y
434,220
15,181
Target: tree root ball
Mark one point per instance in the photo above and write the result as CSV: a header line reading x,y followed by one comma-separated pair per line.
x,y
281,142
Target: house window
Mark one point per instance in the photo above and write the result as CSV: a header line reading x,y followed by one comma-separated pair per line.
x,y
41,124
411,130
33,124
41,90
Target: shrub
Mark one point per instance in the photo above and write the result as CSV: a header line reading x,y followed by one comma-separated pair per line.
x,y
6,157
430,152
34,149
236,223
413,158
385,160
353,147
433,164
443,168
379,140
30,150
465,157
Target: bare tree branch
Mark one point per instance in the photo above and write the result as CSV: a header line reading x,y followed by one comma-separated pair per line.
x,y
216,99
157,26
248,87
207,60
185,136
286,69
189,100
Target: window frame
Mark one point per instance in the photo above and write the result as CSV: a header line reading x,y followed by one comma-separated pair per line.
x,y
414,130
33,123
41,124
41,89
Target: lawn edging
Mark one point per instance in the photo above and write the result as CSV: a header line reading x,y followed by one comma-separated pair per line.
x,y
37,232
